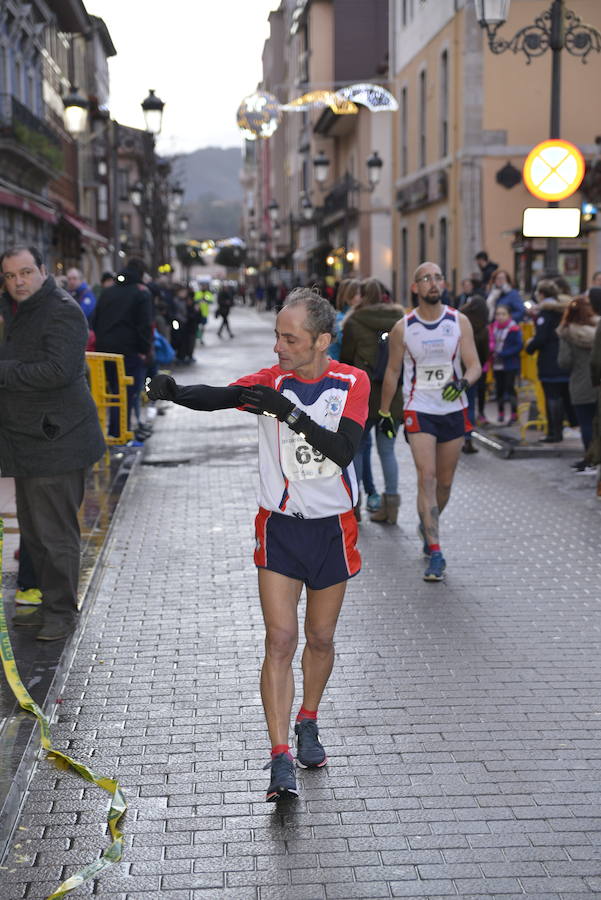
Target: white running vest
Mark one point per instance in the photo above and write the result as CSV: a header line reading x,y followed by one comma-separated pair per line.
x,y
431,360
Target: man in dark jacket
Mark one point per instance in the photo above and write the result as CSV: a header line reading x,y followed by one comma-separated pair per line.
x,y
123,324
49,429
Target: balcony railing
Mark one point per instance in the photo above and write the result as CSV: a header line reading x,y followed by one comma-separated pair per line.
x,y
31,133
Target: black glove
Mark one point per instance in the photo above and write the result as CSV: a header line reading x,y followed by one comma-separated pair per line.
x,y
161,387
264,400
454,388
386,424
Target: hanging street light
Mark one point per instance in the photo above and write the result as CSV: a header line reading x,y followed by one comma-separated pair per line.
x,y
307,208
136,193
273,209
321,167
75,112
374,169
153,107
492,13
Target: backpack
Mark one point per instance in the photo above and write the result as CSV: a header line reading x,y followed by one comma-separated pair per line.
x,y
381,361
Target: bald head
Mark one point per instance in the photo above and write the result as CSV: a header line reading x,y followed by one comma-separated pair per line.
x,y
74,279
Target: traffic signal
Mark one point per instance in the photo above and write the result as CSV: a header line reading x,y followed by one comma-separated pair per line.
x,y
589,212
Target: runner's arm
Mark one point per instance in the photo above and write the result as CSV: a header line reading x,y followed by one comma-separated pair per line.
x,y
194,396
469,354
396,351
340,446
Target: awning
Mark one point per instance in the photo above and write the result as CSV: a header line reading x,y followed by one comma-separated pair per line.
x,y
32,207
86,231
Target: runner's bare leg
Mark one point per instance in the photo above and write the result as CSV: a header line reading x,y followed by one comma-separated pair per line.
x,y
279,602
323,609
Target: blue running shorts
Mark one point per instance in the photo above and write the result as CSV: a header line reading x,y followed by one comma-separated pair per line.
x,y
318,552
444,428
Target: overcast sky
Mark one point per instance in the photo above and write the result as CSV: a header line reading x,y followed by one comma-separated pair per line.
x,y
201,56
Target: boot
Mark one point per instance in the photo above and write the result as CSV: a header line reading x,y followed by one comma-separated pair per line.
x,y
389,510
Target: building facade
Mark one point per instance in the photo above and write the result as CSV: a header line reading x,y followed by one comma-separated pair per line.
x,y
467,119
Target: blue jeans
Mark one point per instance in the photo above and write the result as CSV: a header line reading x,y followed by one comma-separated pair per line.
x,y
385,448
471,394
585,413
368,478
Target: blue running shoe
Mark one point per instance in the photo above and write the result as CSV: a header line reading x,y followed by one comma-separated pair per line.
x,y
283,779
421,532
309,751
436,567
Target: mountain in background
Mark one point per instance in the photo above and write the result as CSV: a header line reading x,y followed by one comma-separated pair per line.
x,y
213,194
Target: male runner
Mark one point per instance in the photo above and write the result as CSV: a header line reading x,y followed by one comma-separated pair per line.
x,y
312,410
430,343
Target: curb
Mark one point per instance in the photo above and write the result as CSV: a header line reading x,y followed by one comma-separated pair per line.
x,y
11,808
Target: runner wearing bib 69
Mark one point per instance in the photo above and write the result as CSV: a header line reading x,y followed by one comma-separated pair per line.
x,y
429,345
311,410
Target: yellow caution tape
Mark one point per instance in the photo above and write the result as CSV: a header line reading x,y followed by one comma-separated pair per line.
x,y
114,852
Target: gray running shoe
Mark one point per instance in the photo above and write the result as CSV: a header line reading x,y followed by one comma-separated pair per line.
x,y
309,751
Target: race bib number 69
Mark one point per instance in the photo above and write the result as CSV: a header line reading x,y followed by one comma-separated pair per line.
x,y
300,461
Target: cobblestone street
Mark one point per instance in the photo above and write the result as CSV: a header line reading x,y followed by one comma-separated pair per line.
x,y
462,721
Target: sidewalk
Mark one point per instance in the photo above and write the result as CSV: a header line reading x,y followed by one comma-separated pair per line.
x,y
462,720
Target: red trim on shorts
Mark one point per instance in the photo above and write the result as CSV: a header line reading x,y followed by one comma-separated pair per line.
x,y
350,533
261,520
466,421
411,419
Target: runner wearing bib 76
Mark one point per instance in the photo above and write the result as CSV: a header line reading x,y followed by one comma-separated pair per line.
x,y
432,345
311,411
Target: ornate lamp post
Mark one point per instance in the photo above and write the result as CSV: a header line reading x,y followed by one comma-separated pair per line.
x,y
556,29
321,168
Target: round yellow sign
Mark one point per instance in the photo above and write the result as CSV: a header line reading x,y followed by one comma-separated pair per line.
x,y
554,170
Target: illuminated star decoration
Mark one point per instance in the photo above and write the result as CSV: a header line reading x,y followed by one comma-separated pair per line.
x,y
259,114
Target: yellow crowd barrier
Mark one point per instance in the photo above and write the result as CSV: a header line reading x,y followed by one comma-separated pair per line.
x,y
530,390
105,398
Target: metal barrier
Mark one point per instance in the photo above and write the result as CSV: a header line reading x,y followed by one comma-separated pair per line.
x,y
530,387
105,398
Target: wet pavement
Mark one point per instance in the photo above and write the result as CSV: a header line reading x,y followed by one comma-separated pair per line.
x,y
462,720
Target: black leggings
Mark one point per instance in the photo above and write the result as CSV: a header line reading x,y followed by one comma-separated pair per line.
x,y
505,385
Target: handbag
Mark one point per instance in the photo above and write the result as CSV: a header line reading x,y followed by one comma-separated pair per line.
x,y
163,351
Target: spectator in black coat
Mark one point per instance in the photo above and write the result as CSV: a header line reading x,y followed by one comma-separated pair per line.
x,y
555,381
123,324
49,429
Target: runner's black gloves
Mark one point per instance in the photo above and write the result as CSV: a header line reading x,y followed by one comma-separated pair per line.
x,y
162,387
261,399
455,388
386,424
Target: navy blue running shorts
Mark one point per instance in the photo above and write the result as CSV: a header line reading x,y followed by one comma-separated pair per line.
x,y
444,428
318,552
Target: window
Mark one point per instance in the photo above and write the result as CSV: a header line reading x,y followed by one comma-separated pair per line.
x,y
103,203
405,267
404,148
444,103
421,149
443,245
422,254
404,12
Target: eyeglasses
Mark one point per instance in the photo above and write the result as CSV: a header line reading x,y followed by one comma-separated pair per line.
x,y
428,279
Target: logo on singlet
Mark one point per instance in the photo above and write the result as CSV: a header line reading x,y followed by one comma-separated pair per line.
x,y
333,404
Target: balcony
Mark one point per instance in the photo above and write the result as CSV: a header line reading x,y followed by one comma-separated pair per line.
x,y
30,152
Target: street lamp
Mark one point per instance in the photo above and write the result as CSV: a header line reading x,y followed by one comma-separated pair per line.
x,y
153,107
374,169
177,196
556,29
136,193
76,112
321,167
273,209
307,207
